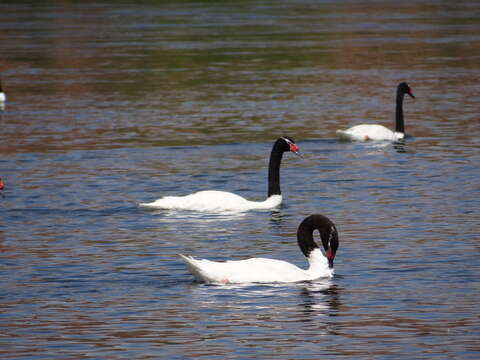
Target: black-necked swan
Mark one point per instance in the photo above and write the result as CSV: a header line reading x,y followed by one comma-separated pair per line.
x,y
263,270
366,132
3,97
222,201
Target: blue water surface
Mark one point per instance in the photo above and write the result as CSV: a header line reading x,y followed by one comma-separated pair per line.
x,y
110,105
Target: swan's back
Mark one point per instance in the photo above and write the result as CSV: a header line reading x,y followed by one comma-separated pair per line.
x,y
255,270
213,201
366,132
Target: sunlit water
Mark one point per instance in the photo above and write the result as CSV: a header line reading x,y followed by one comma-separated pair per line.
x,y
110,105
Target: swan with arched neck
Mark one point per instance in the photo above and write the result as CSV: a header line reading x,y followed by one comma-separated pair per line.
x,y
265,270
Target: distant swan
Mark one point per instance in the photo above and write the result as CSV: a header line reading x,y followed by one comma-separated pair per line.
x,y
2,187
3,97
263,270
366,132
222,201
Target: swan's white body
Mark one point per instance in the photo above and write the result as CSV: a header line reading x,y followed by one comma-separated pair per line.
x,y
258,270
213,201
367,132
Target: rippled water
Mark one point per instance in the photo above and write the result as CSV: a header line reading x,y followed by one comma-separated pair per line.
x,y
111,104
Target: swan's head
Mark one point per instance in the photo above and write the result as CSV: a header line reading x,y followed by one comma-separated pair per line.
x,y
330,245
404,88
328,234
288,144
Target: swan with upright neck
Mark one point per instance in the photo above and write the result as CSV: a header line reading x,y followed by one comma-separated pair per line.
x,y
222,201
365,132
264,270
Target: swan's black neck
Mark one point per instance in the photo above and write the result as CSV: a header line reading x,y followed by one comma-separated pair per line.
x,y
274,169
399,124
327,230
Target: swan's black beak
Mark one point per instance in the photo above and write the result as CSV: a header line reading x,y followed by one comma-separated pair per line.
x,y
411,94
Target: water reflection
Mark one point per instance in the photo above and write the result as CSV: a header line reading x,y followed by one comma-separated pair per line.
x,y
320,297
196,217
400,146
276,216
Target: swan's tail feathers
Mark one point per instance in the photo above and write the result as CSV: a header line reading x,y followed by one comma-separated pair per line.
x,y
194,267
343,135
186,259
162,203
